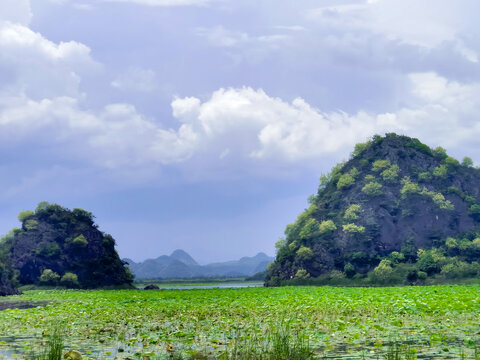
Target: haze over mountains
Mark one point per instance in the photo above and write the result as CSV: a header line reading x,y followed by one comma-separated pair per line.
x,y
181,265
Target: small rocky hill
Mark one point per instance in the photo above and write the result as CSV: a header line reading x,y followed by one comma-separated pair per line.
x,y
56,245
396,204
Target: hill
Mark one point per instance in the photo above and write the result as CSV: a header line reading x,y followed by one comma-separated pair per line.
x,y
397,211
8,283
181,265
57,245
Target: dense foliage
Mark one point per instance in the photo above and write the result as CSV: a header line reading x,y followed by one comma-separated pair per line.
x,y
8,282
435,322
58,246
396,212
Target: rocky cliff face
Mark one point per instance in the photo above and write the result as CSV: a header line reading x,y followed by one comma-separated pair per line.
x,y
395,195
56,244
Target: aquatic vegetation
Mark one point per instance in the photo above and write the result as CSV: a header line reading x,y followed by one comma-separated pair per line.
x,y
254,323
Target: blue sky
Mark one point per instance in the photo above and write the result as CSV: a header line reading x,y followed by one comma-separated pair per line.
x,y
205,124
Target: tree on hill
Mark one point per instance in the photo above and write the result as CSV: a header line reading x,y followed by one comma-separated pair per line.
x,y
56,245
8,281
394,195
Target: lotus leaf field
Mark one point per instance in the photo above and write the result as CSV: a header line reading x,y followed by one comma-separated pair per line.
x,y
437,322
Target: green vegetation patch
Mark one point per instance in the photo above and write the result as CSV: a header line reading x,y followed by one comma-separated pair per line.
x,y
316,322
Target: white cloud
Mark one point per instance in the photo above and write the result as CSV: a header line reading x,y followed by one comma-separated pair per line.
x,y
39,67
114,137
136,79
427,24
238,129
240,126
251,124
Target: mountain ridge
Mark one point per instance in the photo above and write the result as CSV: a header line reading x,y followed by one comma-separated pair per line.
x,y
181,265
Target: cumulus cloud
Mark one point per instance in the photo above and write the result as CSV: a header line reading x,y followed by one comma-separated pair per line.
x,y
250,124
42,106
38,67
114,137
240,126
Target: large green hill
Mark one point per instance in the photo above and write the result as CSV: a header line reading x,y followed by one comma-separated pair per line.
x,y
397,211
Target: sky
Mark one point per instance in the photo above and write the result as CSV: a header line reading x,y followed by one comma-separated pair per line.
x,y
205,124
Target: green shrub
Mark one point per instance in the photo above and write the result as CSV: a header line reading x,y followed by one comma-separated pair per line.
x,y
108,240
373,189
359,148
345,181
396,257
292,246
336,275
43,205
383,271
302,274
391,174
353,229
468,162
380,165
459,269
451,243
24,215
349,270
352,212
309,229
427,263
422,275
418,145
31,224
354,172
48,250
450,161
440,152
476,242
279,244
475,209
327,226
440,172
440,201
304,253
49,277
79,241
409,187
69,280
425,176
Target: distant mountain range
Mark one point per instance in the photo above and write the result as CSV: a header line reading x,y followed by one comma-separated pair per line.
x,y
181,265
